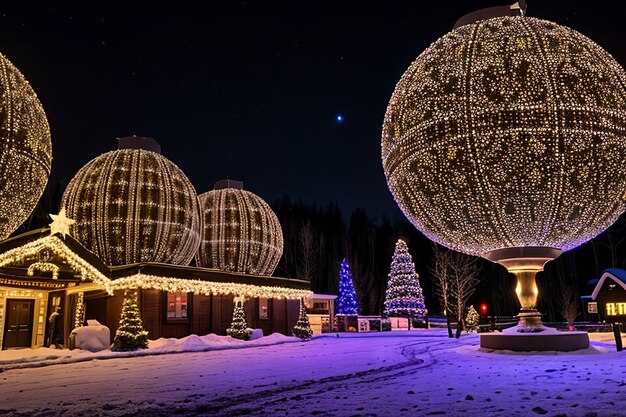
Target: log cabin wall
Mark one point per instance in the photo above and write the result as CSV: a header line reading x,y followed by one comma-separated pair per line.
x,y
253,316
176,328
293,313
206,314
114,311
279,316
201,314
221,313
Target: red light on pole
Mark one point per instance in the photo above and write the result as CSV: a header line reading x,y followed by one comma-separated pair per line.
x,y
483,309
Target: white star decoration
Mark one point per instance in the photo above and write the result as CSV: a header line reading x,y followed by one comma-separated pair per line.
x,y
60,223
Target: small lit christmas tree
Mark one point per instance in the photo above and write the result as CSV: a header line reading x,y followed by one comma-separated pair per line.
x,y
472,319
238,327
404,294
302,329
346,302
130,334
79,316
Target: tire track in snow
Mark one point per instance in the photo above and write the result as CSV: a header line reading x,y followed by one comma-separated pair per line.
x,y
419,356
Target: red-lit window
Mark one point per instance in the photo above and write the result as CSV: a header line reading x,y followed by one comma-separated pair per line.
x,y
264,309
176,305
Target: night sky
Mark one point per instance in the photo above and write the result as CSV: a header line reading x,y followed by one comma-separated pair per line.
x,y
249,90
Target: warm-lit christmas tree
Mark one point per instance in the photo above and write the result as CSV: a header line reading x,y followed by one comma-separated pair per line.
x,y
79,316
238,327
404,294
472,319
346,302
130,334
302,329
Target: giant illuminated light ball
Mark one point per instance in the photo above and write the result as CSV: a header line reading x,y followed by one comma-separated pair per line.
x,y
25,148
134,205
509,132
241,232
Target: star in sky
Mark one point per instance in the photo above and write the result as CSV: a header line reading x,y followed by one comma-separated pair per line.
x,y
339,118
60,223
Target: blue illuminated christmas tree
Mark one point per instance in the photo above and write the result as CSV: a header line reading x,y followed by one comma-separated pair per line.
x,y
346,302
404,293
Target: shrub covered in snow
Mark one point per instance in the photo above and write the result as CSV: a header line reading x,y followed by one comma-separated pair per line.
x,y
94,337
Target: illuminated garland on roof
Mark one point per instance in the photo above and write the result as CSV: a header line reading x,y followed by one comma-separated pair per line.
x,y
56,246
88,272
509,132
208,288
43,267
25,148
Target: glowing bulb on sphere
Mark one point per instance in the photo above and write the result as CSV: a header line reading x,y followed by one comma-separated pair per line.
x,y
134,205
506,138
241,233
25,148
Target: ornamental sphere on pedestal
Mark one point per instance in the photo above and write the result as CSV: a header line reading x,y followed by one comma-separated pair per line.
x,y
241,232
509,132
133,205
25,148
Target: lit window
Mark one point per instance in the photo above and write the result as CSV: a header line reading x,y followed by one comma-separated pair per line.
x,y
264,312
176,305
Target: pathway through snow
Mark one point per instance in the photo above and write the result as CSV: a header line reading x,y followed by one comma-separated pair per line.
x,y
399,373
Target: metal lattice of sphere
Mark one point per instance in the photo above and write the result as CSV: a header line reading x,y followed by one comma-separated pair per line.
x,y
133,205
509,132
241,233
25,148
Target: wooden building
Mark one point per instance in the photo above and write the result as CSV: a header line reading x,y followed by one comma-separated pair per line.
x,y
608,299
50,284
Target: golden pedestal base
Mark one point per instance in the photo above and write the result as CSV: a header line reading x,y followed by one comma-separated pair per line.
x,y
524,263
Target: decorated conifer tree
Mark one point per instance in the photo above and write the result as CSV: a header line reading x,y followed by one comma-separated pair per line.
x,y
302,329
130,334
472,319
346,302
404,294
238,327
79,315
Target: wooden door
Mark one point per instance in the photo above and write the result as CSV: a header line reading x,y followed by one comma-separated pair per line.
x,y
18,330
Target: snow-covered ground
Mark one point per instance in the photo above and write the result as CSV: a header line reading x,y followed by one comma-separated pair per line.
x,y
414,373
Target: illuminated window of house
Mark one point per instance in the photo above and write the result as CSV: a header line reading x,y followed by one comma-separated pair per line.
x,y
264,312
176,305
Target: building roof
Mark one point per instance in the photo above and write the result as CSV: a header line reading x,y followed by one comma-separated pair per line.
x,y
615,274
72,262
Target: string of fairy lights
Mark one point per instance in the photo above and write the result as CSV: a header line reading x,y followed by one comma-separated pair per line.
x,y
242,291
54,244
25,148
134,205
43,267
403,296
86,271
508,132
241,233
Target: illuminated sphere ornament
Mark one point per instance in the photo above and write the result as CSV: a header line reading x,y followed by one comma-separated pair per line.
x,y
133,205
241,232
25,148
509,133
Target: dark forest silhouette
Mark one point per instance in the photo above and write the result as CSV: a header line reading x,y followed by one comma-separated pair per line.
x,y
317,238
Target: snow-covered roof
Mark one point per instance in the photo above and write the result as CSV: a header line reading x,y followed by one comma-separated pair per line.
x,y
87,266
324,297
616,274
